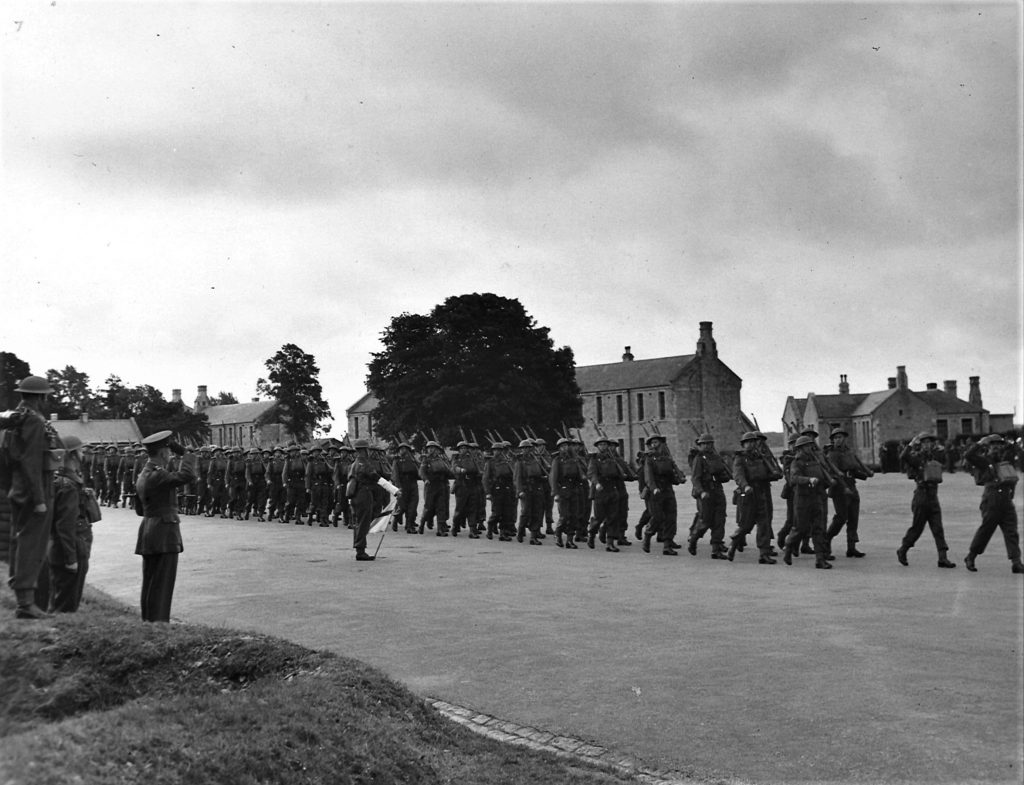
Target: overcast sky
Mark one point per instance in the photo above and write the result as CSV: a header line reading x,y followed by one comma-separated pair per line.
x,y
188,187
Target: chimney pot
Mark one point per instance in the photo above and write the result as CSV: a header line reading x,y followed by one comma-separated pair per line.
x,y
949,385
975,395
706,343
892,382
844,386
901,377
932,385
627,356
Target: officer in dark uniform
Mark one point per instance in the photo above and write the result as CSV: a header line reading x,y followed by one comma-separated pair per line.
x,y
809,484
995,464
499,490
924,459
709,472
159,541
26,475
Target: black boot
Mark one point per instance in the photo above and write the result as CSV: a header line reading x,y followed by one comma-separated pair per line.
x,y
647,542
944,562
969,563
901,556
1017,567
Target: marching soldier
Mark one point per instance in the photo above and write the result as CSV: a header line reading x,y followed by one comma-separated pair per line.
x,y
787,493
709,472
202,486
275,486
499,490
256,482
216,482
342,509
808,480
236,482
567,480
846,497
435,471
318,486
529,480
660,475
468,489
622,509
603,472
405,474
995,463
753,474
541,449
362,477
924,459
293,477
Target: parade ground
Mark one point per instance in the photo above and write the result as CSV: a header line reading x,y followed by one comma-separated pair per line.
x,y
867,673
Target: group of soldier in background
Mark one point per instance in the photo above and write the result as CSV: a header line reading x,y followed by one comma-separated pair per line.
x,y
527,492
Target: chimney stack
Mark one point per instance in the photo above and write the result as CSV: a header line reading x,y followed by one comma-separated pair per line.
x,y
84,417
202,399
627,357
901,377
176,395
949,385
706,345
892,382
844,386
932,386
255,400
974,397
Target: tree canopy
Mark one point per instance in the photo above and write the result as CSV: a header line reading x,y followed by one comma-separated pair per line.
x,y
478,361
71,394
293,381
12,370
153,412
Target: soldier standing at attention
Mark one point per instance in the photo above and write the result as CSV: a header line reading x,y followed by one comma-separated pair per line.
x,y
293,477
159,541
924,459
216,481
275,485
567,476
498,482
469,492
71,540
995,464
363,475
435,471
660,475
603,472
110,465
405,474
846,501
807,479
256,483
753,480
529,479
318,486
26,476
709,472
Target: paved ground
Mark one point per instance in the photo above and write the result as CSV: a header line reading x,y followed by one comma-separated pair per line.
x,y
870,672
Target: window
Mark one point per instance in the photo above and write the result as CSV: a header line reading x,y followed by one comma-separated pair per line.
x,y
640,445
618,407
661,405
942,430
640,406
356,421
600,409
967,426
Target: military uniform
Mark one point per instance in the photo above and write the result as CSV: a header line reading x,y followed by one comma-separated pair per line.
x,y
995,465
256,483
660,475
275,486
363,476
809,484
235,481
319,486
71,535
159,541
405,474
709,473
499,489
603,473
342,509
468,490
924,459
435,473
753,475
846,497
293,476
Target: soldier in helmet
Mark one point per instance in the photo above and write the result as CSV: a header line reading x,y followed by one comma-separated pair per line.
x,y
342,509
809,483
846,497
318,486
660,474
71,540
924,458
753,479
468,489
499,490
26,476
363,477
405,475
275,485
216,481
709,473
568,482
528,476
603,472
995,463
293,476
435,471
256,482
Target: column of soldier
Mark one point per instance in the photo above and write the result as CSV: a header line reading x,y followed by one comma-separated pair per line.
x,y
524,486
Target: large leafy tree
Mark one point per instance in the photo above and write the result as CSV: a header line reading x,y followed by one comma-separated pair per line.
x,y
293,380
71,393
153,412
478,361
12,370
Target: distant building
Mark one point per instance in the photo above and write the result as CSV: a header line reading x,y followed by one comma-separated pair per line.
x,y
92,431
235,424
895,413
680,396
360,417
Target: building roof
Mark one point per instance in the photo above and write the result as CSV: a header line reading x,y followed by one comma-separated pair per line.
x,y
99,431
838,406
232,413
631,374
365,404
946,403
872,401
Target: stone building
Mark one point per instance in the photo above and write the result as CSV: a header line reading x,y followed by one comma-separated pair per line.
x,y
679,396
895,413
359,417
235,424
93,431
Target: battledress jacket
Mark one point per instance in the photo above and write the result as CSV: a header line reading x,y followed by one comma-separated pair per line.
x,y
160,530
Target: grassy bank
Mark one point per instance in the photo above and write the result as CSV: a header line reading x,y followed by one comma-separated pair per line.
x,y
99,697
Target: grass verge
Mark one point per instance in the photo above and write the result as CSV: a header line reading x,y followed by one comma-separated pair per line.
x,y
100,697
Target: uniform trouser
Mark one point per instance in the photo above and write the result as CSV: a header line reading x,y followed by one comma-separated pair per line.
x,y
469,501
502,519
712,516
664,515
202,496
66,586
755,509
218,496
362,517
549,505
622,512
606,508
571,498
236,498
257,498
158,573
846,503
407,505
113,490
30,532
808,521
275,499
926,511
436,503
294,501
997,511
532,509
320,501
787,526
